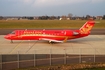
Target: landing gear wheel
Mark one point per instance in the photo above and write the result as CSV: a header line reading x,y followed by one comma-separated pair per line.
x,y
11,41
50,42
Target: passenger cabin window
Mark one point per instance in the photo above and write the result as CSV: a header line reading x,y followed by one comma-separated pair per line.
x,y
13,32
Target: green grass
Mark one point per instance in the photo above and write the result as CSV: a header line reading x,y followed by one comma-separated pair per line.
x,y
46,24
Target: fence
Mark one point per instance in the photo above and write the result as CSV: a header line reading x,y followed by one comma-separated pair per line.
x,y
52,57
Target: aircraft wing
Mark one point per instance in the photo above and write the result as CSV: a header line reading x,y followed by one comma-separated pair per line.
x,y
51,40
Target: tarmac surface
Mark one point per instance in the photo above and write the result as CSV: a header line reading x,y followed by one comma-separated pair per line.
x,y
92,44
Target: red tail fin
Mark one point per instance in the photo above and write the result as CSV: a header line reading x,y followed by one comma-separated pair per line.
x,y
85,29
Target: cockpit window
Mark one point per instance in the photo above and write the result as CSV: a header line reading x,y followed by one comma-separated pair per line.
x,y
13,32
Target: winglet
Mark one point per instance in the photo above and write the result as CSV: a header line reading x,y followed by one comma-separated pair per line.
x,y
65,39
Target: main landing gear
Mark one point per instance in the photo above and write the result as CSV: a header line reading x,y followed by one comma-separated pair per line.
x,y
51,42
11,41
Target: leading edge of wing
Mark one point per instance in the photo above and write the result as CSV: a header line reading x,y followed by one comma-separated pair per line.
x,y
51,40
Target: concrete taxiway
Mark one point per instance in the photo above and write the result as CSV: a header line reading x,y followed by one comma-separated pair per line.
x,y
92,44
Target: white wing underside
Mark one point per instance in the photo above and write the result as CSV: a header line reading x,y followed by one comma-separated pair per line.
x,y
51,40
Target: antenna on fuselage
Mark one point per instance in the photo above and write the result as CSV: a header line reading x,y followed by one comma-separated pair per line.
x,y
25,30
43,29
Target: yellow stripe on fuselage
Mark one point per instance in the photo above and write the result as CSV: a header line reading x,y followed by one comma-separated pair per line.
x,y
48,35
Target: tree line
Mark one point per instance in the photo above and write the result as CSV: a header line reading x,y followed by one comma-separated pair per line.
x,y
63,17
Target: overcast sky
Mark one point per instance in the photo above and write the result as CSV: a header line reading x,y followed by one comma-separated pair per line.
x,y
52,7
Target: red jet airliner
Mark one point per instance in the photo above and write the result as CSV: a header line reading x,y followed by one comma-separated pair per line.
x,y
51,35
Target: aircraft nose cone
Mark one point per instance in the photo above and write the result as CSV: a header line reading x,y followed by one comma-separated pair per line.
x,y
7,37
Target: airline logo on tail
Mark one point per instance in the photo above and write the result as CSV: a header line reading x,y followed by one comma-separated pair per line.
x,y
85,29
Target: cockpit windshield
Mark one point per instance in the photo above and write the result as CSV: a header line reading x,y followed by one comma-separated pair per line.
x,y
13,32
